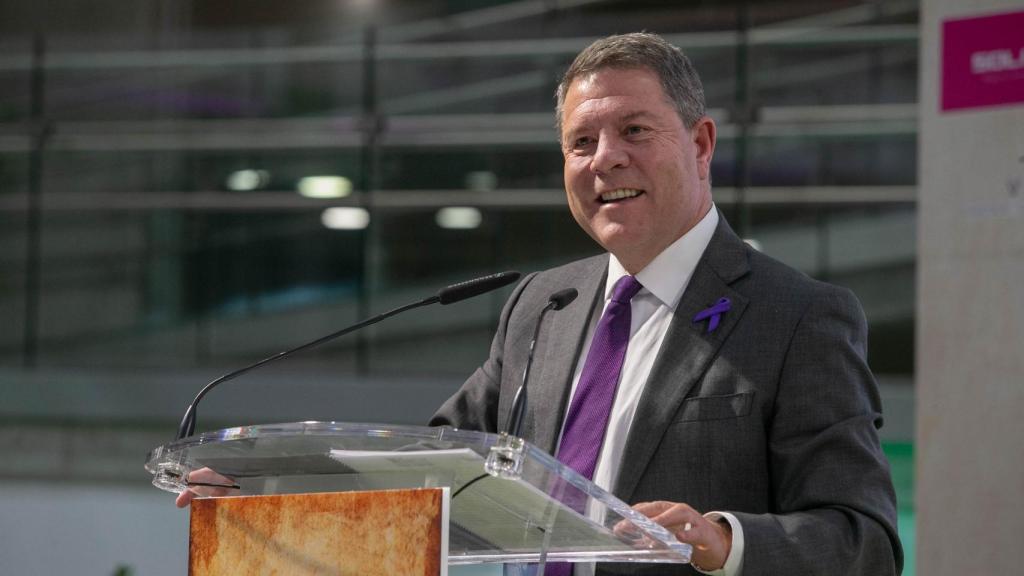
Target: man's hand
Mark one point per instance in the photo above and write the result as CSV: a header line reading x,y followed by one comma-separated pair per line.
x,y
711,541
205,482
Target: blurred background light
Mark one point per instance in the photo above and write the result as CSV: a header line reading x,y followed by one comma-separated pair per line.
x,y
324,186
481,181
242,180
345,218
458,218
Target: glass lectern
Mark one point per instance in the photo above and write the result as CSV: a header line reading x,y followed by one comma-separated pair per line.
x,y
510,501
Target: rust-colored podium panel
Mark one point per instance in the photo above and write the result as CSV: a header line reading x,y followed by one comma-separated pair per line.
x,y
390,533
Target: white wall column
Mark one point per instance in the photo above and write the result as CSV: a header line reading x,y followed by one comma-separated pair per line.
x,y
970,351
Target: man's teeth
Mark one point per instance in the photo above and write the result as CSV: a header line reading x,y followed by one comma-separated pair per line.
x,y
619,194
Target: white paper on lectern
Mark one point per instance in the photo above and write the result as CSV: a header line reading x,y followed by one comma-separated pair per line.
x,y
488,498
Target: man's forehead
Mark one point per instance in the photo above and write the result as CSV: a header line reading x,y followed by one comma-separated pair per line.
x,y
606,111
616,108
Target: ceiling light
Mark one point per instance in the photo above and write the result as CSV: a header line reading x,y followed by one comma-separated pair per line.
x,y
343,218
458,218
481,181
244,180
325,186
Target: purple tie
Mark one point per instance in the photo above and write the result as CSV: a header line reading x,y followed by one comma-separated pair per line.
x,y
587,419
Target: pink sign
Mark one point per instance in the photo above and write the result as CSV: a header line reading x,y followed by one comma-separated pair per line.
x,y
983,61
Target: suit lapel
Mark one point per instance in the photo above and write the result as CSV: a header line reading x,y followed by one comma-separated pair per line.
x,y
565,333
686,352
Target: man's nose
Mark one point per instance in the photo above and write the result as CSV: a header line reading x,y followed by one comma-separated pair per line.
x,y
610,154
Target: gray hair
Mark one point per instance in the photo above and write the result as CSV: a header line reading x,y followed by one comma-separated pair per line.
x,y
640,50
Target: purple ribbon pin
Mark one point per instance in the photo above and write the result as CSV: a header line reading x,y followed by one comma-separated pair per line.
x,y
715,313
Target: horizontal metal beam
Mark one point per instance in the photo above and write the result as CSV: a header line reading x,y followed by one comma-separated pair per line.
x,y
425,131
412,200
410,51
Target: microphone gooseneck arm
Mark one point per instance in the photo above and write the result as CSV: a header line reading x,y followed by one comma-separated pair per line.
x,y
557,301
447,295
188,422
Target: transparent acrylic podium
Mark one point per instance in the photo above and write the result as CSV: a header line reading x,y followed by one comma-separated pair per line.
x,y
510,501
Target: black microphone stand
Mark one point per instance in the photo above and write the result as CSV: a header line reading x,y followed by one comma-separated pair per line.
x,y
448,295
558,300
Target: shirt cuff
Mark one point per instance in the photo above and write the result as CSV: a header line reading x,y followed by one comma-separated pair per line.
x,y
734,563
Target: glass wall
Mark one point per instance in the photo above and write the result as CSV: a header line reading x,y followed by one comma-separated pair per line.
x,y
188,187
158,189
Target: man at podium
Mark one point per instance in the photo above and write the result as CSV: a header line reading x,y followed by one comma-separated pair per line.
x,y
719,391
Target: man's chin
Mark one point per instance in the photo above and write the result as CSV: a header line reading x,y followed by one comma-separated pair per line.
x,y
624,244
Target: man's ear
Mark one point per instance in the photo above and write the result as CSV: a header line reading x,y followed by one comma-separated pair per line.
x,y
704,133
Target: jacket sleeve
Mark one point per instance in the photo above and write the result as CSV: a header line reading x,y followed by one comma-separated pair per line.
x,y
835,507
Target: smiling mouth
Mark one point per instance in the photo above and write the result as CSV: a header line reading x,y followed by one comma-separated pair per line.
x,y
620,194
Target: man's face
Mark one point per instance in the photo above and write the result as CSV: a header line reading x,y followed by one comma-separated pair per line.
x,y
637,179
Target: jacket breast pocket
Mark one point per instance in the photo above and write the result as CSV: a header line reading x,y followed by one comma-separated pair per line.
x,y
701,408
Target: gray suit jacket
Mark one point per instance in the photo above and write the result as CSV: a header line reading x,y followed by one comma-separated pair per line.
x,y
773,416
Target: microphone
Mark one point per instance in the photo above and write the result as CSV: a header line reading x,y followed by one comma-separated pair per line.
x,y
444,296
475,287
556,301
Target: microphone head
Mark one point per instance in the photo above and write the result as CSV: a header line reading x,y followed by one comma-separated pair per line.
x,y
563,298
475,287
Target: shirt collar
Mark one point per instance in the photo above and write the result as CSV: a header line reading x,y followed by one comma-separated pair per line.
x,y
669,273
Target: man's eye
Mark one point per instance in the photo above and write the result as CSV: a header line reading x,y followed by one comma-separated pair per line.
x,y
581,142
632,130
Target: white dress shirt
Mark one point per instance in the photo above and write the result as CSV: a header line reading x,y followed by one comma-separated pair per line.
x,y
663,281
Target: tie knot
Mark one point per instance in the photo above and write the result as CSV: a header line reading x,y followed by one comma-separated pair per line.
x,y
625,288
